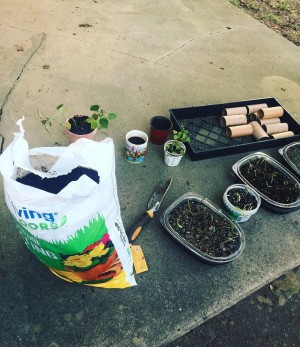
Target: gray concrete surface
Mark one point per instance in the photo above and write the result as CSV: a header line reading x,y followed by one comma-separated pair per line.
x,y
138,59
268,317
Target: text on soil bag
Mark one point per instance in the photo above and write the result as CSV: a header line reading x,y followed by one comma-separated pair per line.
x,y
36,220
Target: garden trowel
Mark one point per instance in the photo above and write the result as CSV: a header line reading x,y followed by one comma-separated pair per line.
x,y
153,205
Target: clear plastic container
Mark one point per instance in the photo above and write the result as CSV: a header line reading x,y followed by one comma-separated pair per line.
x,y
284,152
269,203
165,221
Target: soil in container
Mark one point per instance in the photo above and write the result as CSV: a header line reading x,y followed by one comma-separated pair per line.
x,y
293,154
242,199
79,125
270,181
136,140
204,229
55,184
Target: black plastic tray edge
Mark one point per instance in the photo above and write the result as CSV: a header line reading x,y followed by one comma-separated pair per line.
x,y
242,148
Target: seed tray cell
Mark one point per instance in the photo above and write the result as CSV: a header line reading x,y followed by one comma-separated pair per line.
x,y
209,139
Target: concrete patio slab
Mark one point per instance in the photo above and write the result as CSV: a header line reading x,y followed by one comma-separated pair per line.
x,y
139,60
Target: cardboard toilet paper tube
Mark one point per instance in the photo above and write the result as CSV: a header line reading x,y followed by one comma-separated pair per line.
x,y
282,135
255,108
238,119
258,131
239,130
269,121
234,111
253,116
271,112
275,128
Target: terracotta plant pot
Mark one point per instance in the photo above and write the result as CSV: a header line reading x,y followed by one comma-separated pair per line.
x,y
80,129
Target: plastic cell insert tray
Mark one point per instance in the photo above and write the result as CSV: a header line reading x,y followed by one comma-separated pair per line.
x,y
208,138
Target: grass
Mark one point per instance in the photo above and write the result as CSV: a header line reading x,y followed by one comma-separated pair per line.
x,y
281,16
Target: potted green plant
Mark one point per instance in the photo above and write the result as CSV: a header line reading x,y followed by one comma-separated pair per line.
x,y
175,149
79,126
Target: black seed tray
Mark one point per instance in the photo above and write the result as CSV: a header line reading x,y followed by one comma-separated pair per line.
x,y
208,138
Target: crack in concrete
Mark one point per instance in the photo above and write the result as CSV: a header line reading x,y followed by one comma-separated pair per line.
x,y
11,26
147,60
2,143
130,55
174,50
18,77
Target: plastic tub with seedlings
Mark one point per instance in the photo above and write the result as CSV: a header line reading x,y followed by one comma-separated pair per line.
x,y
291,154
278,188
203,229
241,202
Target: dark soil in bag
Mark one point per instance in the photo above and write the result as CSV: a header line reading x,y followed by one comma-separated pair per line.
x,y
56,184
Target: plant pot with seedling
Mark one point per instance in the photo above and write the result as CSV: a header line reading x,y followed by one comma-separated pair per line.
x,y
175,149
79,126
241,202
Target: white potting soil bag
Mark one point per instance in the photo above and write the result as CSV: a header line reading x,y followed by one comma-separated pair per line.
x,y
76,230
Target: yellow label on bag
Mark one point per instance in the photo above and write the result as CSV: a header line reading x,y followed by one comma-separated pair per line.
x,y
139,261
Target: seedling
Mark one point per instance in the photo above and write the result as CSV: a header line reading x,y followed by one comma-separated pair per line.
x,y
179,137
99,119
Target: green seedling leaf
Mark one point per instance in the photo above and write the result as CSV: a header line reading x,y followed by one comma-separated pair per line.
x,y
95,108
93,122
59,106
68,125
104,123
112,115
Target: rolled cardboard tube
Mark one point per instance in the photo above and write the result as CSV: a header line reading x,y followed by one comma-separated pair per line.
x,y
282,135
239,130
258,131
234,111
238,119
270,112
255,108
269,121
275,128
253,116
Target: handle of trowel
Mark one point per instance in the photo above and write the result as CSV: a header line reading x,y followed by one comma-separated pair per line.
x,y
136,228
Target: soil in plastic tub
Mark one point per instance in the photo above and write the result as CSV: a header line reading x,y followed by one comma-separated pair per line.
x,y
240,198
205,229
293,154
270,181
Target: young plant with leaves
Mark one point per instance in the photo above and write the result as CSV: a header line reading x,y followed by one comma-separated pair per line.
x,y
99,119
179,137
